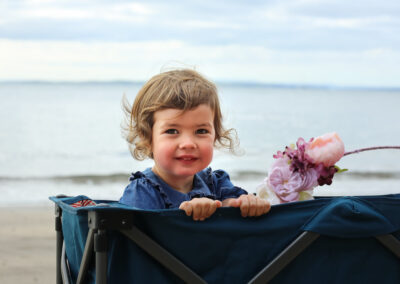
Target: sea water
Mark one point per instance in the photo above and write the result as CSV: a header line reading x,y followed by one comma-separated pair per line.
x,y
65,138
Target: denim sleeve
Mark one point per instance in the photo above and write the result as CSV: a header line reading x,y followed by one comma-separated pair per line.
x,y
140,195
225,187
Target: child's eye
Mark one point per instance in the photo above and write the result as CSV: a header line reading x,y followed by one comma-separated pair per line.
x,y
171,131
202,131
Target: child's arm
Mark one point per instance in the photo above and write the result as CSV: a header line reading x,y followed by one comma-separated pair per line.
x,y
200,208
250,205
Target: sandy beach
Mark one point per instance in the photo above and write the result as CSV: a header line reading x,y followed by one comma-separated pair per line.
x,y
27,245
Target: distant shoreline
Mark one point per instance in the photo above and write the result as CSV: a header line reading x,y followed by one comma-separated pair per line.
x,y
219,83
239,175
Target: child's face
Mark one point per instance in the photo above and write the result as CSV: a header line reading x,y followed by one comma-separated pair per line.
x,y
182,143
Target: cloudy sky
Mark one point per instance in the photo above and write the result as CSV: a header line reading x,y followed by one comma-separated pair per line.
x,y
322,42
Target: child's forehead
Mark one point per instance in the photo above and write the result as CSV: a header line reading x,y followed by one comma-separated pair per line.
x,y
172,115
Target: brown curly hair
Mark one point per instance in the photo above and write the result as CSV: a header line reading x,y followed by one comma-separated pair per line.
x,y
179,89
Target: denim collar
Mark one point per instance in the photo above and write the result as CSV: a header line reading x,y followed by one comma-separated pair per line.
x,y
202,183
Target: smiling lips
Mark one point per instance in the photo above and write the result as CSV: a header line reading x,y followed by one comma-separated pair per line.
x,y
187,158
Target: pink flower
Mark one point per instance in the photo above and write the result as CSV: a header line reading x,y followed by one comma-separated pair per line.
x,y
283,161
310,179
298,169
285,183
326,149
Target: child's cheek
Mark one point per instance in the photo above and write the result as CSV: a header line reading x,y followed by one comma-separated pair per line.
x,y
165,157
207,152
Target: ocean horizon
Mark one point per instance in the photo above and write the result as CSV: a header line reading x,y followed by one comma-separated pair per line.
x,y
248,84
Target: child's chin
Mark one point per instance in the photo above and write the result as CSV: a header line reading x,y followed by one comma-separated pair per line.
x,y
188,172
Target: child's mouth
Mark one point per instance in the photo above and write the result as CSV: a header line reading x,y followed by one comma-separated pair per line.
x,y
186,159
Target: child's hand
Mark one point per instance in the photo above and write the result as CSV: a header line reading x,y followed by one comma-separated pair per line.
x,y
200,208
250,205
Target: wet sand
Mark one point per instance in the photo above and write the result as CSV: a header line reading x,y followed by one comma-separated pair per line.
x,y
27,245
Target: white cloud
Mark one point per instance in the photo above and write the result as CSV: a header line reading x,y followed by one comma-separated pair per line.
x,y
208,24
38,2
288,13
350,22
64,60
309,41
377,52
57,13
136,8
128,12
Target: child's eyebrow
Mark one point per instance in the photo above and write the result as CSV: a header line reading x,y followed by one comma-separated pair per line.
x,y
205,125
167,124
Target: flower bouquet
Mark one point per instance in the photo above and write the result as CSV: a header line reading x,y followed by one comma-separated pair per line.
x,y
299,169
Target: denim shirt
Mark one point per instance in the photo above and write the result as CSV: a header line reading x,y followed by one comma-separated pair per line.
x,y
148,191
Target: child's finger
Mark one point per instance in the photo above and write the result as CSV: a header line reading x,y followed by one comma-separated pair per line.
x,y
244,206
266,206
262,207
205,208
252,205
211,210
197,211
183,205
187,207
261,204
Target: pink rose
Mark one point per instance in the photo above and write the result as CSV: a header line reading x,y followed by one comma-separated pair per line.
x,y
326,149
285,183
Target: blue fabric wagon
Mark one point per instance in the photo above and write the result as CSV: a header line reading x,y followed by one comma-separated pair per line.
x,y
326,240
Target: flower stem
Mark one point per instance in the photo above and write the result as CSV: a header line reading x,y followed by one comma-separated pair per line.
x,y
371,148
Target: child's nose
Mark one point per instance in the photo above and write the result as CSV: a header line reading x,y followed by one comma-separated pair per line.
x,y
187,142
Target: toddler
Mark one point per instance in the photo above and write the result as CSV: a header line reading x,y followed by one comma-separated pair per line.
x,y
176,121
